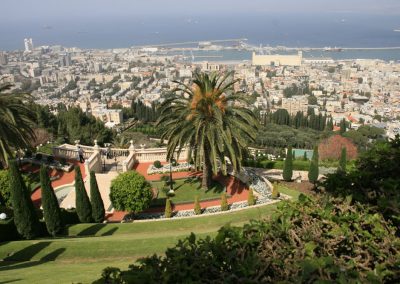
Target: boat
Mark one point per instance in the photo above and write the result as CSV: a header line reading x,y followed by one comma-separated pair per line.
x,y
397,30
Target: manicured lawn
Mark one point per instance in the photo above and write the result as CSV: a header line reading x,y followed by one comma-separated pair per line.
x,y
186,190
89,248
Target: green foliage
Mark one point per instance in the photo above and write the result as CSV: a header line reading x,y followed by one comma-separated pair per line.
x,y
251,200
51,209
197,207
288,165
5,188
343,160
374,180
363,136
82,202
275,192
157,164
224,202
206,120
313,172
282,249
305,156
25,217
16,124
98,211
168,208
130,192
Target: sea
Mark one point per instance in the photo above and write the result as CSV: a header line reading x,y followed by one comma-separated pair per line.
x,y
333,29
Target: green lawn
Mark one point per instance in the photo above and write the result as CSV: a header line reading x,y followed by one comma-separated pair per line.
x,y
89,248
185,191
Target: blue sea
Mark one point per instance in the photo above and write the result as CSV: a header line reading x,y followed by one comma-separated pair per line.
x,y
273,29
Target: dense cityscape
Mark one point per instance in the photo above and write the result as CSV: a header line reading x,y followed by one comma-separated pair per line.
x,y
231,160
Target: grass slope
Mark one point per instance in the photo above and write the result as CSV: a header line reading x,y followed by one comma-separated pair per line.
x,y
89,248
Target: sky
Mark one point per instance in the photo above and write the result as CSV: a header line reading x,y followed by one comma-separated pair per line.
x,y
23,10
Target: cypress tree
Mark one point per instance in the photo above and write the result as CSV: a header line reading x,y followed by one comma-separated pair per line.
x,y
343,160
168,208
305,156
197,207
82,202
51,209
288,166
314,171
25,217
343,126
98,211
224,203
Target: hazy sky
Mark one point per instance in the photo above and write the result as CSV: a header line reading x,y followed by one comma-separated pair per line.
x,y
18,10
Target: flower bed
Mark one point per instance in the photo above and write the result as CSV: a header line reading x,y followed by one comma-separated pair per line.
x,y
67,167
182,167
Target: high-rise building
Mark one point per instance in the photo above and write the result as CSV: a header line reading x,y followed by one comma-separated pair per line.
x,y
65,59
28,44
3,58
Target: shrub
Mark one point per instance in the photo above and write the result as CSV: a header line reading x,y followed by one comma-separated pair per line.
x,y
168,209
98,211
50,159
197,207
69,216
63,161
157,164
8,231
343,160
82,202
275,192
51,209
5,188
38,156
224,202
130,192
25,217
28,154
282,249
251,200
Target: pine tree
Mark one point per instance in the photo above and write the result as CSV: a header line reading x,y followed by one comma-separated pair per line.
x,y
288,166
98,211
51,209
251,200
343,160
25,217
168,208
314,171
197,207
82,202
224,203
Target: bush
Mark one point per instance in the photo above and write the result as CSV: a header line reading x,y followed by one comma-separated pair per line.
x,y
275,192
28,154
50,159
168,208
348,244
130,192
157,164
63,161
197,207
5,188
251,200
8,231
224,202
69,216
38,156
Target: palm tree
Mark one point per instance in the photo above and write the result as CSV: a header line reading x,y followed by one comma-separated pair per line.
x,y
206,118
16,122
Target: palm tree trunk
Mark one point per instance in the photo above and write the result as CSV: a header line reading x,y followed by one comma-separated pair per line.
x,y
207,170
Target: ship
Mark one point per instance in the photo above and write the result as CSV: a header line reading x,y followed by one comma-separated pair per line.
x,y
337,49
397,30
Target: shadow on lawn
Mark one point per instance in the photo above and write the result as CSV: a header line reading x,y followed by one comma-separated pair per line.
x,y
22,258
95,228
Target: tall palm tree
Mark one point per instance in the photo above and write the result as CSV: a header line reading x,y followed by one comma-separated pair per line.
x,y
16,124
207,118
